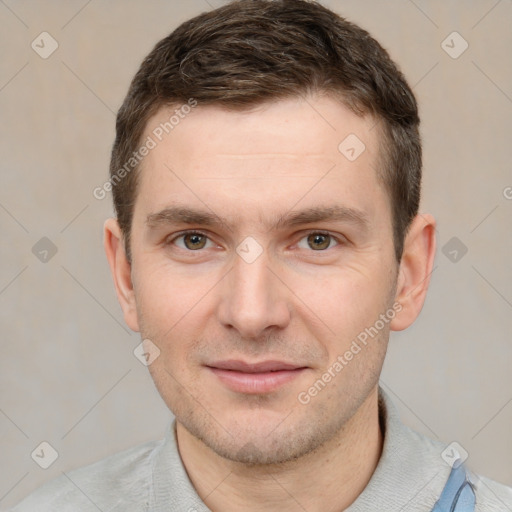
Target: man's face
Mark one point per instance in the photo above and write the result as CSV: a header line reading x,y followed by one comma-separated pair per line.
x,y
252,307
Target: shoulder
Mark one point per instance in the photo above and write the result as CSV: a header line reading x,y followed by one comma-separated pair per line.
x,y
425,464
491,496
118,482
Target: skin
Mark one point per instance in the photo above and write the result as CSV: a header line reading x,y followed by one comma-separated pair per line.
x,y
302,300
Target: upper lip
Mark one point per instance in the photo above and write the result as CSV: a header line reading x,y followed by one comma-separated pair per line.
x,y
261,367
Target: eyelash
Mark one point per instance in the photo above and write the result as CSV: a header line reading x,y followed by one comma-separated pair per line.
x,y
198,232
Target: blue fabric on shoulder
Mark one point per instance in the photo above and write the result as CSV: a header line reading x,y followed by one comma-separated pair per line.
x,y
458,494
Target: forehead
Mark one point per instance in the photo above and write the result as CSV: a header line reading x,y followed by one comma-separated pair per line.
x,y
291,127
280,153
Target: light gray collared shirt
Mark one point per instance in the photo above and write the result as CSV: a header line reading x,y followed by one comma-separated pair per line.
x,y
409,477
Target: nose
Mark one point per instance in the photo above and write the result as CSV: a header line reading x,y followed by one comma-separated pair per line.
x,y
254,298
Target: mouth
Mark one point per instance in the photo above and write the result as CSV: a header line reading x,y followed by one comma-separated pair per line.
x,y
255,378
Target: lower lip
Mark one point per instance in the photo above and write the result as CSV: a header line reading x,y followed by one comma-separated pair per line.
x,y
256,382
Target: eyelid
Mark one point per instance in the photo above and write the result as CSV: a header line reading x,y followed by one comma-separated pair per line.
x,y
186,232
172,238
339,239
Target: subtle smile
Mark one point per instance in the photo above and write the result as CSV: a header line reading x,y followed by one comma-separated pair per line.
x,y
262,377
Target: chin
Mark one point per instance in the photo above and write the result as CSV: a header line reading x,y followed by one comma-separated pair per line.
x,y
261,437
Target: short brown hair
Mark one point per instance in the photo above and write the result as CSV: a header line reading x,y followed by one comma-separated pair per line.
x,y
252,51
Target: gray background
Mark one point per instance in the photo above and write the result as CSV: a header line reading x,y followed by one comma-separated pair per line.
x,y
68,375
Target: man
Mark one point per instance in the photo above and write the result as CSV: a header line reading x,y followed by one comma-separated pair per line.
x,y
266,178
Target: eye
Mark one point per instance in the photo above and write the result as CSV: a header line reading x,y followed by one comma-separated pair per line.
x,y
191,240
318,241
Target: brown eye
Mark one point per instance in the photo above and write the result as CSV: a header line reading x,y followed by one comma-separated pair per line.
x,y
194,241
319,241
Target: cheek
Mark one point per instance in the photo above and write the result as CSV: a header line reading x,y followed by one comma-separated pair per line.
x,y
343,303
165,296
173,311
349,308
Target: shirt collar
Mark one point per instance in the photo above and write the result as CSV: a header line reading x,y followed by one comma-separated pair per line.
x,y
410,473
409,476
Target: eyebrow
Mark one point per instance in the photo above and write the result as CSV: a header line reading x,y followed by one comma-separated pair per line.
x,y
185,215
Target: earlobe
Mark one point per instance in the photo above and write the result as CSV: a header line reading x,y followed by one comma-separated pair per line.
x,y
121,271
415,270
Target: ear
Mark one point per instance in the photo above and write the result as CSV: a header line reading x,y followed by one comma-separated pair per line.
x,y
415,269
121,271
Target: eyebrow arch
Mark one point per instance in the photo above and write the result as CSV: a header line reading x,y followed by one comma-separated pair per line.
x,y
186,215
323,213
182,215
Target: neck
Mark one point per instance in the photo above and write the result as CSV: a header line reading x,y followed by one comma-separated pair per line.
x,y
329,479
